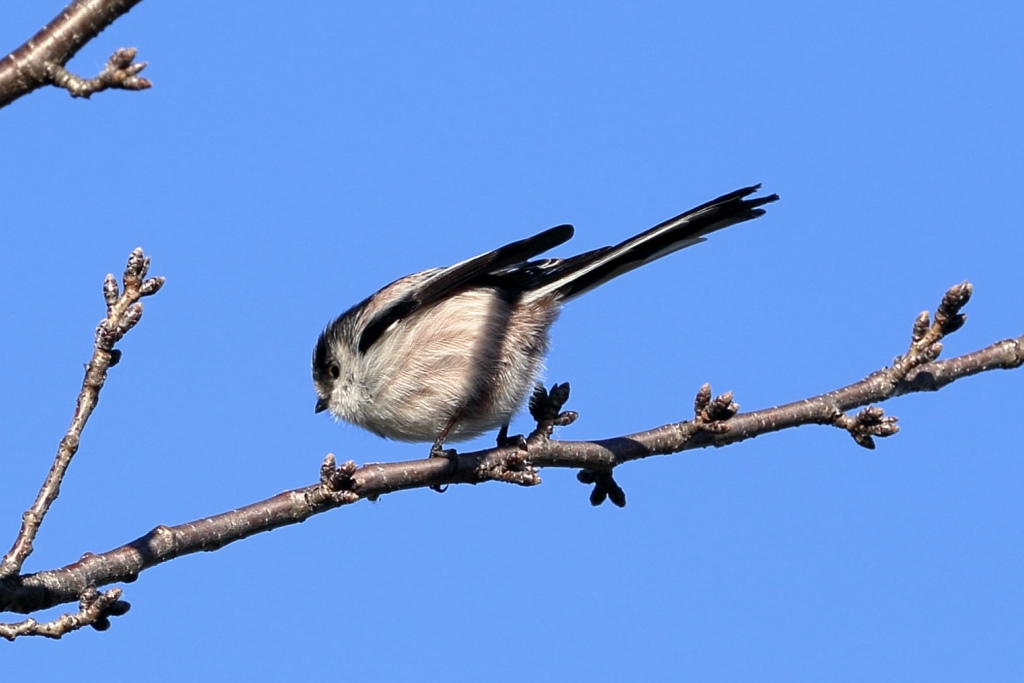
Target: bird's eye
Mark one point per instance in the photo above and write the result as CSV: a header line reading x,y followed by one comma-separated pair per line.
x,y
335,371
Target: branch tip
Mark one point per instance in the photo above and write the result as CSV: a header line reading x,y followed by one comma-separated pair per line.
x,y
867,424
110,291
122,57
546,409
566,418
921,324
137,268
337,482
702,400
515,468
927,333
948,317
123,312
152,286
605,487
957,296
130,318
711,414
119,73
559,395
94,609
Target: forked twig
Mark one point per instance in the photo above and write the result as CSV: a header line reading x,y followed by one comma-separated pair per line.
x,y
94,609
123,312
41,60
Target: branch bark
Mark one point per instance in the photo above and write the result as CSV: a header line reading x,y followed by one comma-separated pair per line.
x,y
41,60
716,422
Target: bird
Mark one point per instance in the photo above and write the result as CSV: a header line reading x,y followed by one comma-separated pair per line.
x,y
447,354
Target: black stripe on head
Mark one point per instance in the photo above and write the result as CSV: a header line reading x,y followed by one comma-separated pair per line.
x,y
337,333
322,355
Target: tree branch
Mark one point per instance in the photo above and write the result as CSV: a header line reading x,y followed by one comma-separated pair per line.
x,y
717,422
94,609
123,312
40,61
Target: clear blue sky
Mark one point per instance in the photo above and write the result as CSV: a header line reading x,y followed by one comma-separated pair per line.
x,y
294,157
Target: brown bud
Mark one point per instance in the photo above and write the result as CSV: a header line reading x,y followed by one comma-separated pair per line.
x,y
152,286
921,325
110,290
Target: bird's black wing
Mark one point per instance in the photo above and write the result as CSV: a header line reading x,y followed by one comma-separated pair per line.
x,y
446,281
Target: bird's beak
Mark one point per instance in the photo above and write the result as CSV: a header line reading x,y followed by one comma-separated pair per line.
x,y
321,405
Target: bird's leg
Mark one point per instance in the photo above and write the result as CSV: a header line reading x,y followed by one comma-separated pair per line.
x,y
505,440
438,451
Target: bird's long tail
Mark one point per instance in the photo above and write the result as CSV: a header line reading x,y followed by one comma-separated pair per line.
x,y
579,274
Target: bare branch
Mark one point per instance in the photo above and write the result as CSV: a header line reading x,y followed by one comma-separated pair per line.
x,y
123,312
717,422
94,609
41,60
866,424
119,72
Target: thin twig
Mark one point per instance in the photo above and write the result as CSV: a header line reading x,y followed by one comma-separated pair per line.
x,y
41,60
94,609
120,72
123,313
716,424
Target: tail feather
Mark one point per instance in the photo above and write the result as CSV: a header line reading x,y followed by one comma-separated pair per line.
x,y
579,274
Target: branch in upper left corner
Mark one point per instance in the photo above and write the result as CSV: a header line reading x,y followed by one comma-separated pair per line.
x,y
41,60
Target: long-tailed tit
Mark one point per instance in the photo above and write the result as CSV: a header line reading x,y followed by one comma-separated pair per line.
x,y
450,353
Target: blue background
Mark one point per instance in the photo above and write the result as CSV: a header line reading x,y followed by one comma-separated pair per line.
x,y
292,158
